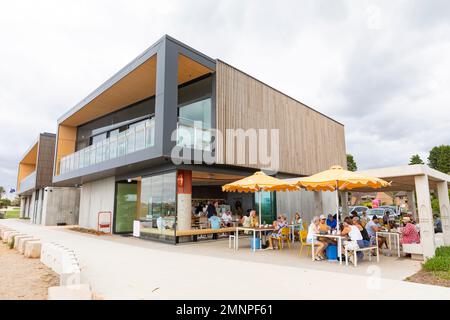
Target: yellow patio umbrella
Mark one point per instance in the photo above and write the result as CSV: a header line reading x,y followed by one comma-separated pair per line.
x,y
259,181
336,178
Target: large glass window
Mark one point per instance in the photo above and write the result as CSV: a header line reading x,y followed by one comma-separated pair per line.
x,y
158,205
268,206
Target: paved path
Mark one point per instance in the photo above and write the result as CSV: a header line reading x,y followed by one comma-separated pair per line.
x,y
120,268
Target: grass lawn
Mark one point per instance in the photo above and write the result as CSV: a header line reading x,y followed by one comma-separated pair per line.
x,y
435,271
11,214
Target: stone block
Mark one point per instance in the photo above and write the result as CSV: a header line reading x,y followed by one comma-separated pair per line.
x,y
12,239
17,239
33,249
7,234
71,292
22,242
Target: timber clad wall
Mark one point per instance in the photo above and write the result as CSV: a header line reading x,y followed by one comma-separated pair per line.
x,y
309,141
46,156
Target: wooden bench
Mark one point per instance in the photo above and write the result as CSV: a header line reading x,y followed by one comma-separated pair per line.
x,y
355,258
197,232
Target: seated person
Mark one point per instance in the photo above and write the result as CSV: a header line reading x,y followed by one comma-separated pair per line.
x,y
364,219
409,233
253,219
391,226
227,219
323,227
365,236
298,222
298,225
313,230
372,228
246,222
279,225
331,222
354,235
214,222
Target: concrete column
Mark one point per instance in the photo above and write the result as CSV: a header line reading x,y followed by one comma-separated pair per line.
x,y
22,207
444,208
318,207
412,203
344,201
184,199
425,216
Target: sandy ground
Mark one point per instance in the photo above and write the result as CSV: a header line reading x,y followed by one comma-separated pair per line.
x,y
22,278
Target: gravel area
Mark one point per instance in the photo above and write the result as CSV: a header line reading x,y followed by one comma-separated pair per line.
x,y
23,278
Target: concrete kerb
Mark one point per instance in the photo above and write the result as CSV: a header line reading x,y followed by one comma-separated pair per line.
x,y
70,292
33,249
12,238
22,242
63,261
17,239
8,234
3,231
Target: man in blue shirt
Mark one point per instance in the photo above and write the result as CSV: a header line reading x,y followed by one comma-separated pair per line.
x,y
331,222
214,221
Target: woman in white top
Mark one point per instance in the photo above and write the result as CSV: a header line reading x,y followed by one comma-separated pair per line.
x,y
356,238
313,230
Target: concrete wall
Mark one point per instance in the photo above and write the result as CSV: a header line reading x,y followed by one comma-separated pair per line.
x,y
308,203
96,196
60,205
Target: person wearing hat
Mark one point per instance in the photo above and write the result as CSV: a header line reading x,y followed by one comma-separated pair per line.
x,y
323,226
372,227
409,233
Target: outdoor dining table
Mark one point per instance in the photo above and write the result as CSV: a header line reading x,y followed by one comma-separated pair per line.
x,y
254,230
395,235
330,236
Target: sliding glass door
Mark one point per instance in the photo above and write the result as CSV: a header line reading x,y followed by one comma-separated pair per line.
x,y
125,210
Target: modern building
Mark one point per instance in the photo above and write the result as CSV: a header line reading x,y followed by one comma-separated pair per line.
x,y
39,200
157,139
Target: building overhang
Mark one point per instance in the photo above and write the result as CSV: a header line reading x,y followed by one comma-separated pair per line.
x,y
402,178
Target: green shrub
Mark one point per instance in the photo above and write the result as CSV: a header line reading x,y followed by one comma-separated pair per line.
x,y
437,263
443,251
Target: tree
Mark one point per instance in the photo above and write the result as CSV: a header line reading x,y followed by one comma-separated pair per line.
x,y
439,158
16,202
415,159
2,192
351,164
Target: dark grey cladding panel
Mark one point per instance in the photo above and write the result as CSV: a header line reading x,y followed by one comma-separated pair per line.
x,y
45,160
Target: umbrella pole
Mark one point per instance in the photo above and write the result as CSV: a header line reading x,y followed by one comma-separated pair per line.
x,y
337,204
260,200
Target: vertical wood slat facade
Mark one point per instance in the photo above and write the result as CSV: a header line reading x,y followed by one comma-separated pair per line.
x,y
308,141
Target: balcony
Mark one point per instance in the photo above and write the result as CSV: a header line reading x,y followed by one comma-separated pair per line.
x,y
28,183
134,139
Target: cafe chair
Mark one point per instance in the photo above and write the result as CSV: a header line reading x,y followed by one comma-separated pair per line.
x,y
284,237
303,243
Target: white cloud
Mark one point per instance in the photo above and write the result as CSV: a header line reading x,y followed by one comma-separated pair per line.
x,y
379,67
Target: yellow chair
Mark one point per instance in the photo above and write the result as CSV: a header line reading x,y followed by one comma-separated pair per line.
x,y
303,243
284,237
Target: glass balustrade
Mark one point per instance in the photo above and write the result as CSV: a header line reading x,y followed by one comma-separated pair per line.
x,y
28,182
134,139
193,134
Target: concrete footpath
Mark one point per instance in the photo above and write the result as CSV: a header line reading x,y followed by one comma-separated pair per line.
x,y
117,269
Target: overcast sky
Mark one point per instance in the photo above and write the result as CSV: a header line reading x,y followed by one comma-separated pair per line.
x,y
379,67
